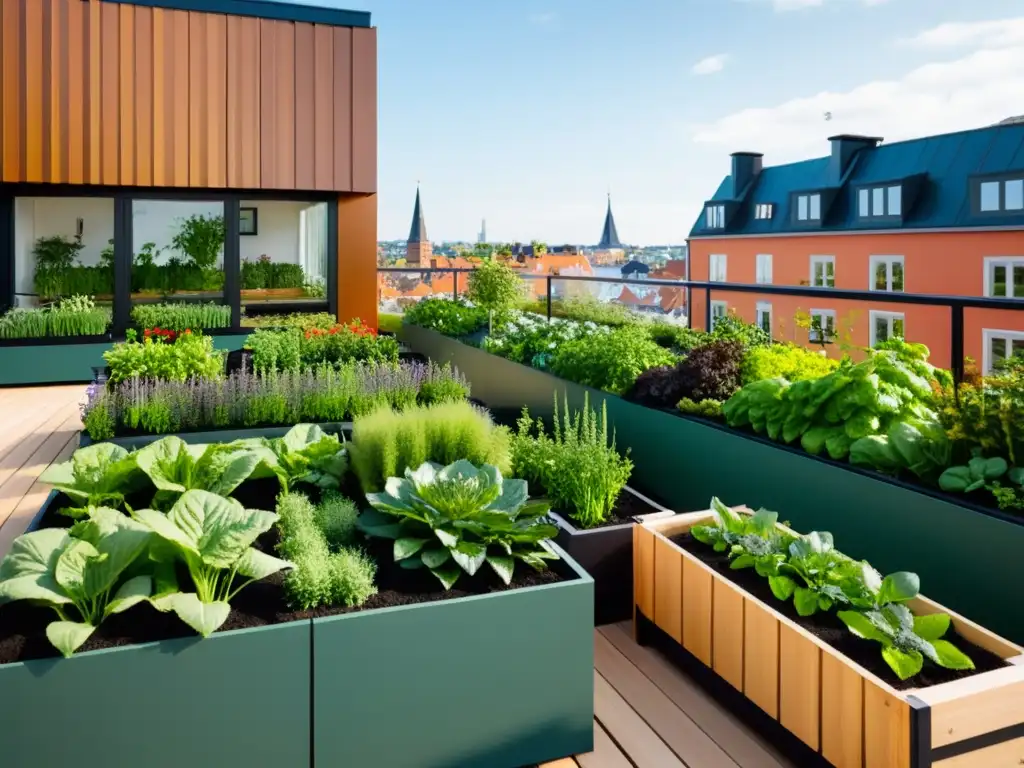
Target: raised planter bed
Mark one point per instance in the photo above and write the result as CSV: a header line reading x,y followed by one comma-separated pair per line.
x,y
839,711
366,687
606,553
684,461
216,435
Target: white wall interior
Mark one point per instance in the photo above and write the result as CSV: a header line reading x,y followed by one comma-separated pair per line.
x,y
158,221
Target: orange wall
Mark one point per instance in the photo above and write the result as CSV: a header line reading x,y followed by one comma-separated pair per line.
x,y
357,258
934,263
105,93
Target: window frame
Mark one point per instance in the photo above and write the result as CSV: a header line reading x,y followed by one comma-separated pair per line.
x,y
714,216
991,262
759,260
764,211
808,200
988,335
764,308
879,314
868,199
977,184
823,313
823,259
888,260
718,304
713,259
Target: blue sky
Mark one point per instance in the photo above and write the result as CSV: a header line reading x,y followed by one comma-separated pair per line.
x,y
527,112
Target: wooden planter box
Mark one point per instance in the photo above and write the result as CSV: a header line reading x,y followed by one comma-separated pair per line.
x,y
837,709
607,555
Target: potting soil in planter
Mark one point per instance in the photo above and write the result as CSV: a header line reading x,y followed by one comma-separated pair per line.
x,y
827,626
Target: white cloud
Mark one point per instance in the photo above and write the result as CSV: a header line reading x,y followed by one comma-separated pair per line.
x,y
710,65
989,34
982,87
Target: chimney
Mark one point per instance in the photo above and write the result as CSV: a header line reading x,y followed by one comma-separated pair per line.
x,y
745,168
844,147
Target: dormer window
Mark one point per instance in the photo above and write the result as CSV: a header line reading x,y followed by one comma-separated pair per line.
x,y
1001,195
715,215
808,207
764,210
880,202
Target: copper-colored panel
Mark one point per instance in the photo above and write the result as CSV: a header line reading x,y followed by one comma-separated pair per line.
x,y
14,89
323,103
234,94
127,93
284,105
306,149
243,98
198,105
268,101
55,153
357,258
162,152
78,82
342,102
143,96
94,97
110,80
178,63
364,110
34,124
216,100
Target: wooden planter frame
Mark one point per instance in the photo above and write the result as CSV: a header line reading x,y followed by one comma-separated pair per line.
x,y
839,710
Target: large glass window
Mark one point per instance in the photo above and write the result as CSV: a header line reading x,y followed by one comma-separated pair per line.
x,y
63,267
283,248
177,270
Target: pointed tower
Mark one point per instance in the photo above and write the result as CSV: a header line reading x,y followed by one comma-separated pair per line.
x,y
418,249
609,235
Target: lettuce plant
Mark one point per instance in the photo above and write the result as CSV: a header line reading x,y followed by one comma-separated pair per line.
x,y
454,519
213,536
83,574
817,576
97,475
307,454
751,540
176,467
978,472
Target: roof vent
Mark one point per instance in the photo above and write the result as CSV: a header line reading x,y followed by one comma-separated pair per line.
x,y
745,168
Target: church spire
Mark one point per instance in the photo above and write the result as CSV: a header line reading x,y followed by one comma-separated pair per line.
x,y
418,230
418,249
609,235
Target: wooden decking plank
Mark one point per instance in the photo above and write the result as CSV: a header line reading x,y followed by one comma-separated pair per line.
x,y
683,736
644,747
30,443
12,491
565,762
22,414
606,753
737,740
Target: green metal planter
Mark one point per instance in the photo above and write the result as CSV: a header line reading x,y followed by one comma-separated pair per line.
x,y
490,681
237,698
215,435
967,560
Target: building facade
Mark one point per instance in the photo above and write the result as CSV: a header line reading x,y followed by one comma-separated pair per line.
x,y
938,215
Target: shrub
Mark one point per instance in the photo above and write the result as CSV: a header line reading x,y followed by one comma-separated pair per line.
x,y
292,349
710,371
182,316
787,361
494,287
711,409
442,384
732,328
336,516
533,340
677,337
201,238
191,355
384,442
390,323
452,318
74,316
988,415
275,350
609,361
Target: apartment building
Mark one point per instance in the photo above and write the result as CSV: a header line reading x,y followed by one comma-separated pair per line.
x,y
936,215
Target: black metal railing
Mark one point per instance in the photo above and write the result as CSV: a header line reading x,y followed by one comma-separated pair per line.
x,y
956,304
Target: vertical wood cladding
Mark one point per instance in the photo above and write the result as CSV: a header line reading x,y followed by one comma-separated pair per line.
x,y
108,93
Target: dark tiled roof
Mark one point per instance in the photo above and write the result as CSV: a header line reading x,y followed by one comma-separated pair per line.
x,y
938,167
418,230
609,235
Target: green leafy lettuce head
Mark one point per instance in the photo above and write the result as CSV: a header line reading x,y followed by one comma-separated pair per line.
x,y
454,519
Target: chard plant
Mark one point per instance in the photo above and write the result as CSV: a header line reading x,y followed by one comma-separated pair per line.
x,y
752,541
452,520
84,573
176,467
213,536
817,576
97,475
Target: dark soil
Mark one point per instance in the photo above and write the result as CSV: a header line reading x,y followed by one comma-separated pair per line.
x,y
239,360
23,626
626,508
828,627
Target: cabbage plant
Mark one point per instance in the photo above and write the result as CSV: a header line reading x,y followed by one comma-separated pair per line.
x,y
454,519
83,574
214,537
97,475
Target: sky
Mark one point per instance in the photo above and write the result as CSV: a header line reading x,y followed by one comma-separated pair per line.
x,y
529,112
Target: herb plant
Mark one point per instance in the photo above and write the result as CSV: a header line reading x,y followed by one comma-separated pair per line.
x,y
191,355
533,340
73,316
611,361
452,520
709,372
787,361
182,316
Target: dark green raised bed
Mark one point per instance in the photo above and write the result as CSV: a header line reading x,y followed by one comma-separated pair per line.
x,y
240,698
967,559
216,435
490,681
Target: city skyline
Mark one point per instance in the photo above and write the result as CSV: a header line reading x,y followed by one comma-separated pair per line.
x,y
558,117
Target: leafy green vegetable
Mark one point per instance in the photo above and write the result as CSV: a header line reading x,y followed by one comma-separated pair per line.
x,y
978,472
78,573
306,454
454,519
97,475
817,576
176,467
213,536
751,540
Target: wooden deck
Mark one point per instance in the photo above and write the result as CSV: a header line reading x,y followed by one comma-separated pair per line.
x,y
647,714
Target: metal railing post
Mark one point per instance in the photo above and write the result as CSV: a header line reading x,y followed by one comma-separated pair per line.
x,y
549,296
455,286
707,310
956,347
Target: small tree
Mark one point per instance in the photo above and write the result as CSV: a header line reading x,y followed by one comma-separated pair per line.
x,y
494,286
201,238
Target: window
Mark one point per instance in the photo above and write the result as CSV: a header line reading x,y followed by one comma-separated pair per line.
x,y
764,316
823,271
876,202
715,216
764,268
894,198
764,210
823,326
885,326
719,309
808,207
995,196
886,274
864,203
1004,278
716,267
999,346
